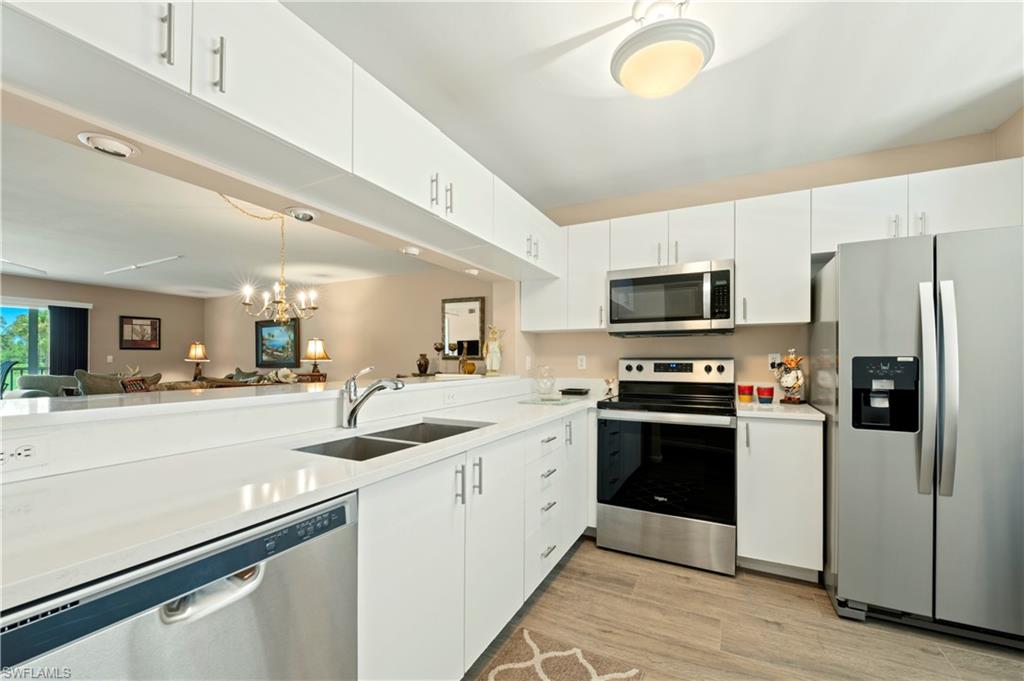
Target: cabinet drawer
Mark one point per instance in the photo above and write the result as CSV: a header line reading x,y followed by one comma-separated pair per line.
x,y
543,549
544,508
545,474
544,440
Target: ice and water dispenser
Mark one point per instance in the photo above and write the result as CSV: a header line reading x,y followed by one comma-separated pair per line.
x,y
885,393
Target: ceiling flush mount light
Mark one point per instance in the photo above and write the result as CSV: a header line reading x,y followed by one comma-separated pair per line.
x,y
301,213
111,146
472,271
664,54
410,250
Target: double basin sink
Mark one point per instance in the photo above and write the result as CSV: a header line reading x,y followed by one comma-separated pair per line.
x,y
372,445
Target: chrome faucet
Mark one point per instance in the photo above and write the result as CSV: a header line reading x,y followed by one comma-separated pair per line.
x,y
352,401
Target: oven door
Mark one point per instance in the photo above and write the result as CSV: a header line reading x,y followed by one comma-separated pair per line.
x,y
660,299
666,487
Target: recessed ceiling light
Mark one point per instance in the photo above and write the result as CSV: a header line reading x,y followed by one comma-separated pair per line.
x,y
111,146
472,271
662,57
301,213
410,250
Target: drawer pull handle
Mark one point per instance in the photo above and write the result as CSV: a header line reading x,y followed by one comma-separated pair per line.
x,y
548,473
548,506
549,439
547,551
221,51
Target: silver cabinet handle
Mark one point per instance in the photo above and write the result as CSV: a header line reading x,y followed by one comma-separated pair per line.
x,y
168,54
951,387
221,51
433,189
568,432
449,198
746,428
924,226
536,249
896,226
460,484
600,315
929,387
744,308
529,246
659,252
547,552
677,252
548,473
548,506
478,467
549,439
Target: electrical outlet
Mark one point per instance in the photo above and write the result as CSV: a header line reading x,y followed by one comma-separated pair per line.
x,y
449,397
774,359
581,361
110,359
18,456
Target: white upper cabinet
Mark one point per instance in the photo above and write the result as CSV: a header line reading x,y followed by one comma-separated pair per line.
x,y
773,259
701,233
967,197
523,230
153,36
494,541
858,211
261,63
467,191
639,241
549,244
543,304
586,272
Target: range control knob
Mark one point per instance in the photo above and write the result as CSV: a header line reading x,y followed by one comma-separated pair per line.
x,y
707,368
639,367
629,367
721,368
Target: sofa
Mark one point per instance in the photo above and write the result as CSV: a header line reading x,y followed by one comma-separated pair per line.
x,y
85,383
41,385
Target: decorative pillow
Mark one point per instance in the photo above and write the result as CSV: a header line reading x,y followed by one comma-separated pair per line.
x,y
98,384
240,375
151,380
135,384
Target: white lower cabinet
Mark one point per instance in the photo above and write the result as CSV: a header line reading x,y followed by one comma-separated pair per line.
x,y
449,552
779,491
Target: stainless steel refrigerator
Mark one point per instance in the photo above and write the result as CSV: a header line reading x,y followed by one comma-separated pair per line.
x,y
925,472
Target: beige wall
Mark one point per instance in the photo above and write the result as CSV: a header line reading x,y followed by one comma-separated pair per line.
x,y
384,321
1004,142
181,322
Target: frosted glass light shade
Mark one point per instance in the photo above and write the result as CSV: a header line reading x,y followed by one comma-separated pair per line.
x,y
662,58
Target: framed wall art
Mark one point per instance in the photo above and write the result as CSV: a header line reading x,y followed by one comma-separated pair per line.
x,y
138,333
277,344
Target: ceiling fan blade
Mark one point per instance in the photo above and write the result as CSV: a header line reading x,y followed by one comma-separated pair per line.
x,y
540,58
22,265
140,265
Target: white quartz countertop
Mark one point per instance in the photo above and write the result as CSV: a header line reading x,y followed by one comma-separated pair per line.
x,y
778,410
62,531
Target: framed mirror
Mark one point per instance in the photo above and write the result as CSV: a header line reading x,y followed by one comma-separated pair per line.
x,y
462,327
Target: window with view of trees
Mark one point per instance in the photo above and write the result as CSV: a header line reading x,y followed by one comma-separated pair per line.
x,y
25,339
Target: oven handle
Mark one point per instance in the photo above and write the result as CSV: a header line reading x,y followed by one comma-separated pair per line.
x,y
667,417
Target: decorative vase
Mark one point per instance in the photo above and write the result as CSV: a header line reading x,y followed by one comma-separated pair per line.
x,y
422,363
545,382
469,367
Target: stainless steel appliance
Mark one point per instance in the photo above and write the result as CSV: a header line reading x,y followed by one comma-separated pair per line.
x,y
668,301
926,475
277,601
666,462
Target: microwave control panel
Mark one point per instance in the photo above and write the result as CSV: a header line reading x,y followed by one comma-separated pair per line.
x,y
721,296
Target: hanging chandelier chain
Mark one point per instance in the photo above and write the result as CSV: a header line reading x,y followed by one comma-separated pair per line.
x,y
266,218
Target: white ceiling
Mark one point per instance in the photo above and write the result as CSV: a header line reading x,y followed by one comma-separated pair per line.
x,y
525,86
77,213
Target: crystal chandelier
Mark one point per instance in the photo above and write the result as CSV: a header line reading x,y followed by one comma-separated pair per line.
x,y
276,306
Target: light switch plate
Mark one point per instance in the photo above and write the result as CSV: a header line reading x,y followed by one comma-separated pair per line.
x,y
110,359
581,361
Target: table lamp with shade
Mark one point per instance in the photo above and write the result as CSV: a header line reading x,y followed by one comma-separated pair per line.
x,y
197,354
315,352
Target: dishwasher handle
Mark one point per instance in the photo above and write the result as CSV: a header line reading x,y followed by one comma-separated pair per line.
x,y
207,600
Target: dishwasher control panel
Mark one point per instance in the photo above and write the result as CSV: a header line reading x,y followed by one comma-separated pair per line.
x,y
305,530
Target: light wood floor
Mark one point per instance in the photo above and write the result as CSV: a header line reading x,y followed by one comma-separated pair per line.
x,y
678,623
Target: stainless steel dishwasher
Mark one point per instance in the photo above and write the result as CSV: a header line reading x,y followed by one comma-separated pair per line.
x,y
276,601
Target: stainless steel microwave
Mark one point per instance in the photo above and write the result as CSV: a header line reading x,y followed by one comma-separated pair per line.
x,y
694,298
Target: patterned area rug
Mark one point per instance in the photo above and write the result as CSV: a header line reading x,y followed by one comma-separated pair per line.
x,y
529,656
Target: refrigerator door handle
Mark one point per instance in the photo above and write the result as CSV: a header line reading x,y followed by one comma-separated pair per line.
x,y
929,388
950,387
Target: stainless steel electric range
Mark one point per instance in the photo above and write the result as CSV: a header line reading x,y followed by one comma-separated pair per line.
x,y
666,462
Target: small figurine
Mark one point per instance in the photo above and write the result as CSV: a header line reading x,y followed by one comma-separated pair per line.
x,y
492,350
791,377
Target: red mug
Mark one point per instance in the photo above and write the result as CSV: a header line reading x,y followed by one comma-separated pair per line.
x,y
765,394
745,392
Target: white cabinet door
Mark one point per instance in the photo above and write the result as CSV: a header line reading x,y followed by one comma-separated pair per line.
x,y
858,211
412,534
494,542
577,445
261,63
514,220
639,241
144,34
773,259
585,274
779,493
549,243
543,304
701,233
467,190
968,197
